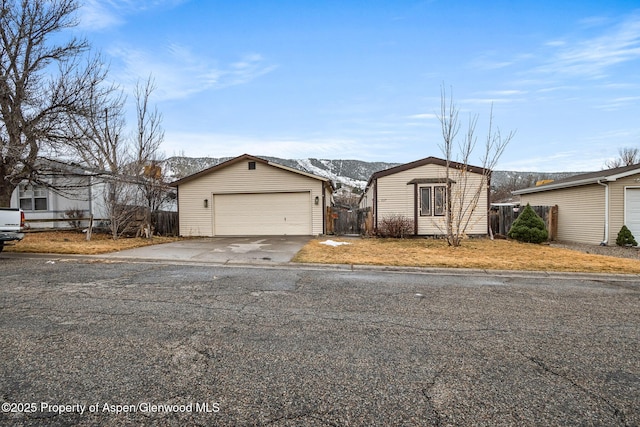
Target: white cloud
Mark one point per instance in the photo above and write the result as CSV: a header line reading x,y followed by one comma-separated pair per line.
x,y
555,43
97,15
484,101
594,21
179,73
100,14
615,137
506,92
593,57
221,145
427,116
567,161
620,102
557,88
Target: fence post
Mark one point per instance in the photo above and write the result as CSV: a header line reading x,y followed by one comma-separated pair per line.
x,y
553,222
90,228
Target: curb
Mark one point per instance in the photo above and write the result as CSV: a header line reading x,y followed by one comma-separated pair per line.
x,y
338,267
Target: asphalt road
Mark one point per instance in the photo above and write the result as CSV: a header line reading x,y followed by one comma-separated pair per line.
x,y
88,342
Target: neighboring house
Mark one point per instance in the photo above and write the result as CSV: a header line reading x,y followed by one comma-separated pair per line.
x,y
418,191
60,189
592,207
248,196
63,191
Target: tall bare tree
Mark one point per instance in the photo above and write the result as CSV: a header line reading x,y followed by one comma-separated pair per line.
x,y
130,161
43,80
463,199
149,133
100,144
148,138
626,157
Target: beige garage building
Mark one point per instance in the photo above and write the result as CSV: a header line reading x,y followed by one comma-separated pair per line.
x,y
592,207
250,196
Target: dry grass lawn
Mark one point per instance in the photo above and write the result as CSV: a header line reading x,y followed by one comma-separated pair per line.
x,y
474,253
67,242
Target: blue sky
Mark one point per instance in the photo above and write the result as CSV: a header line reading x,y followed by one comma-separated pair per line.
x,y
362,79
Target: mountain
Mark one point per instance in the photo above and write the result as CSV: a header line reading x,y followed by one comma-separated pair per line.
x,y
348,173
354,174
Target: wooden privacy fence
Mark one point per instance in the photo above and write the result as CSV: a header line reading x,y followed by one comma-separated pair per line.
x,y
165,223
343,220
502,217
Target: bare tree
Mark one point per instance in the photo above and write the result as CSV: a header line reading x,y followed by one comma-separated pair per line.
x,y
129,163
100,141
43,80
463,198
148,138
503,191
149,134
100,144
627,156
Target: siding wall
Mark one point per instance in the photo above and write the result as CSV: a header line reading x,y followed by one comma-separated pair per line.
x,y
580,211
367,199
76,192
196,220
617,204
395,197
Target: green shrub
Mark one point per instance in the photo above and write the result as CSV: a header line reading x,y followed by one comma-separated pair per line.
x,y
528,227
625,237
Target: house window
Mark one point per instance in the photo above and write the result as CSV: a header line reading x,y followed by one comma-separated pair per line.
x,y
425,201
252,165
32,198
439,200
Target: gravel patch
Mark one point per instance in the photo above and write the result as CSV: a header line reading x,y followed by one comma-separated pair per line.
x,y
614,251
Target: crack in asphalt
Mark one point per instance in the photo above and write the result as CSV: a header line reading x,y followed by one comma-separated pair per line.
x,y
617,412
427,395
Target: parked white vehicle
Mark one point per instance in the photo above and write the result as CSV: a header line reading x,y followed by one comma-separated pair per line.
x,y
11,225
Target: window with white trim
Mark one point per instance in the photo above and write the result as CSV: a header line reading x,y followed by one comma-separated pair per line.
x,y
32,198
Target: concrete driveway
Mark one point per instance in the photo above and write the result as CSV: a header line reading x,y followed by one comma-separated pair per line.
x,y
223,250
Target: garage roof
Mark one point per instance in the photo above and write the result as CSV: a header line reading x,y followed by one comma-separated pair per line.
x,y
246,157
584,179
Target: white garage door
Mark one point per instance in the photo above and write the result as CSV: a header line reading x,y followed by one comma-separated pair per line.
x,y
632,211
262,214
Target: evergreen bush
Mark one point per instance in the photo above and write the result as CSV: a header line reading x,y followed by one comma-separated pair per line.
x,y
625,237
528,227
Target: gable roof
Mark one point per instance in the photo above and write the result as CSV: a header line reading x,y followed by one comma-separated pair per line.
x,y
426,161
246,157
608,175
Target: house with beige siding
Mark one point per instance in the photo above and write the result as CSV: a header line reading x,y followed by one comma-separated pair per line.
x,y
592,207
250,196
420,192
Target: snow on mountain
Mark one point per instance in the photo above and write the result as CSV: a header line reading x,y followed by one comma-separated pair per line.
x,y
347,173
351,174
